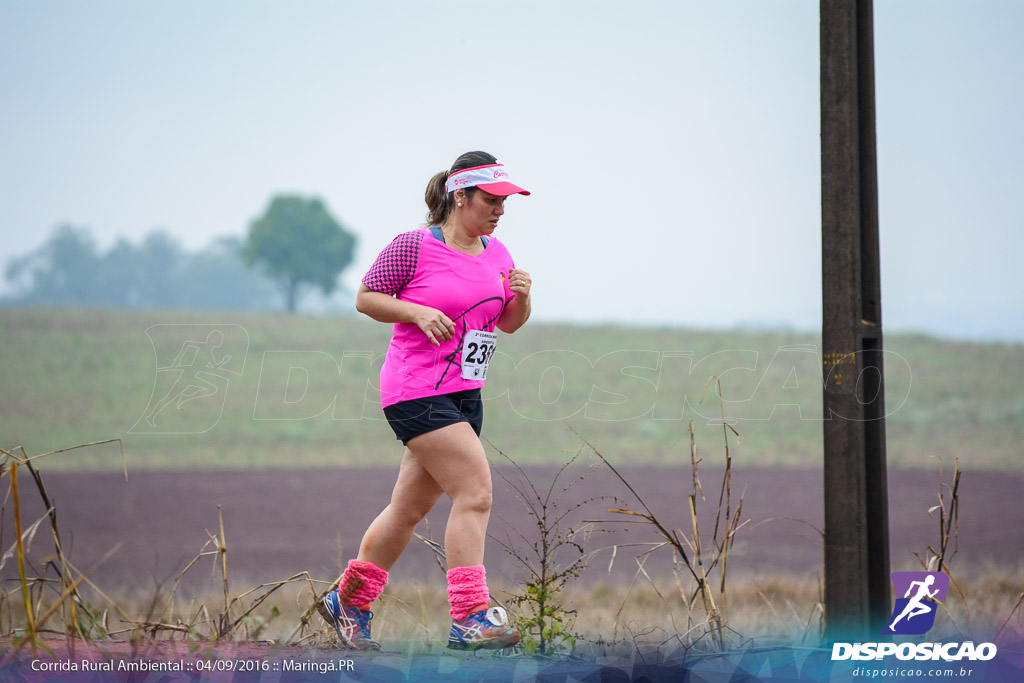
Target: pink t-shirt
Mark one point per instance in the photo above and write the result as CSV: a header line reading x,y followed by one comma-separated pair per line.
x,y
471,290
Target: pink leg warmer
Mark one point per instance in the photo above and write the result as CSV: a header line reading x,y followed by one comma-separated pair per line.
x,y
361,583
467,588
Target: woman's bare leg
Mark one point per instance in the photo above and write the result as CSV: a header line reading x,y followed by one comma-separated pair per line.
x,y
455,459
414,495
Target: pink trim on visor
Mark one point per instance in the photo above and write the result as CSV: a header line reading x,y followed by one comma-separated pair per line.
x,y
493,179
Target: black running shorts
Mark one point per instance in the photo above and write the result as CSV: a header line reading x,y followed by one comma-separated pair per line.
x,y
409,419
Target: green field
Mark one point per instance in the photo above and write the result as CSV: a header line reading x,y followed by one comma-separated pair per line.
x,y
294,391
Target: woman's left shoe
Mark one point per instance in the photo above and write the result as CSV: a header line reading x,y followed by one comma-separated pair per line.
x,y
486,629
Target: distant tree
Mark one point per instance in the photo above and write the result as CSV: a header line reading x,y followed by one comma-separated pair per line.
x,y
298,244
160,261
62,271
218,278
147,275
118,275
68,270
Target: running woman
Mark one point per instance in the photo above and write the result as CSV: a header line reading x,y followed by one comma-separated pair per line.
x,y
445,287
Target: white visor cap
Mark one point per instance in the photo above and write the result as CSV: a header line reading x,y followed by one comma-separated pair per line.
x,y
492,179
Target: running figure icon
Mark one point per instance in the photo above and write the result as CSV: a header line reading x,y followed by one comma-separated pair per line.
x,y
916,606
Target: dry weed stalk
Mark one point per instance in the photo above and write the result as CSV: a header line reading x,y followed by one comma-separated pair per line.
x,y
19,541
224,627
435,547
545,623
80,620
1020,599
691,554
949,527
949,519
68,593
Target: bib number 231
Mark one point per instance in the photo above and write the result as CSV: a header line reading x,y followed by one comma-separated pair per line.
x,y
477,350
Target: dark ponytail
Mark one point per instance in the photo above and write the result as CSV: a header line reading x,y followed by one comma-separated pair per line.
x,y
440,204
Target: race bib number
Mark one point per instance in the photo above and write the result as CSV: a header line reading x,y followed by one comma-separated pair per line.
x,y
477,350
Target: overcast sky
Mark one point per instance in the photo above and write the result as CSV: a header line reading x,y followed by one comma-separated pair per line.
x,y
672,147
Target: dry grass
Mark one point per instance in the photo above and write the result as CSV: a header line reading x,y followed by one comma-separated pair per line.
x,y
662,615
59,598
770,610
700,562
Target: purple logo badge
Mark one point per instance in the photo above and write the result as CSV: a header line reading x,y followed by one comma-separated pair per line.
x,y
914,612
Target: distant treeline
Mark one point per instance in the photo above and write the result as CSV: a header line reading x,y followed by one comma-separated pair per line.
x,y
157,272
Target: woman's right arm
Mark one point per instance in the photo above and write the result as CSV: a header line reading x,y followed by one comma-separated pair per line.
x,y
385,308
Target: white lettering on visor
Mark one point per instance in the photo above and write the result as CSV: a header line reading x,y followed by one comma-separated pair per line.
x,y
471,177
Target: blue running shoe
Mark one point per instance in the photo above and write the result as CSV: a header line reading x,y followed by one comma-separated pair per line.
x,y
487,629
351,623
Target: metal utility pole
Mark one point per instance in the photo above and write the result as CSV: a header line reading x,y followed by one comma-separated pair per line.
x,y
857,593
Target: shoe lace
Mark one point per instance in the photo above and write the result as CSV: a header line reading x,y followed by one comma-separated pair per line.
x,y
478,617
495,616
363,619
